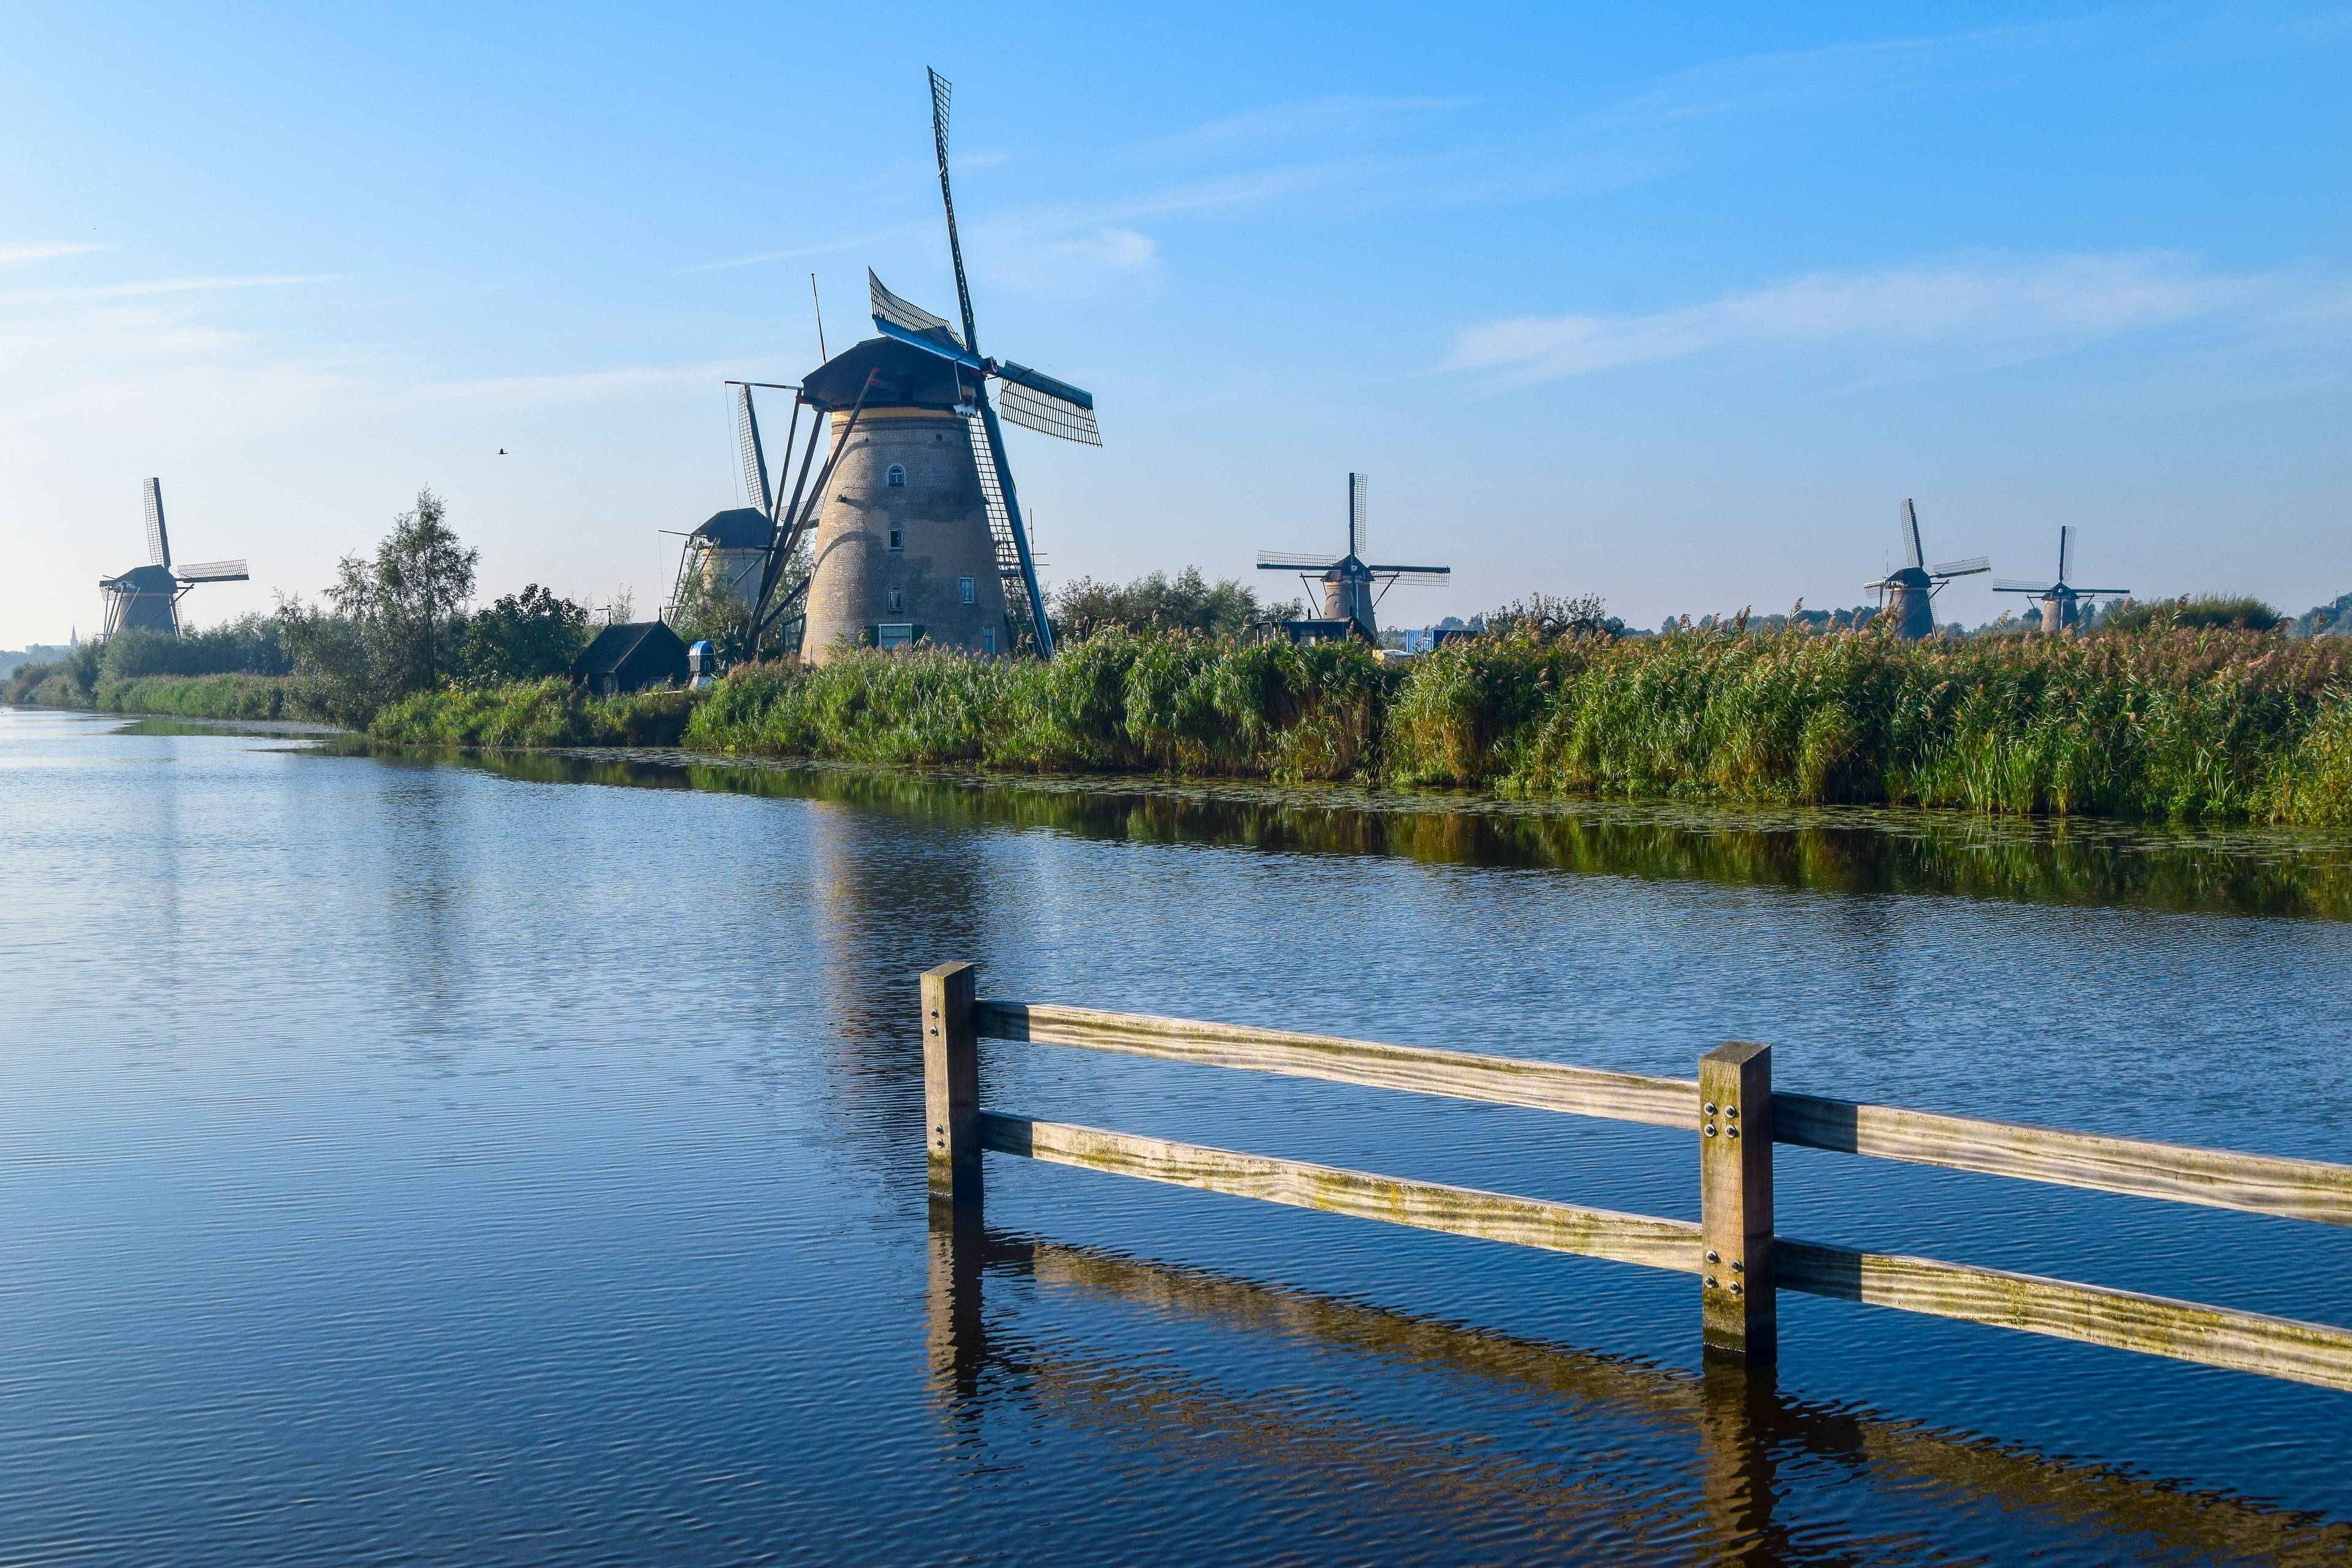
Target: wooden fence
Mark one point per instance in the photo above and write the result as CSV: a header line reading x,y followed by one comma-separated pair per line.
x,y
1730,1106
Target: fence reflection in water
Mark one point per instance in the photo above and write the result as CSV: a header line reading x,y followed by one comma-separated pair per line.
x,y
1739,1430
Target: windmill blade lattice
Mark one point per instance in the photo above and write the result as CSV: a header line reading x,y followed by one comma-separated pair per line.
x,y
213,571
159,543
1907,524
755,459
1968,568
1040,402
889,309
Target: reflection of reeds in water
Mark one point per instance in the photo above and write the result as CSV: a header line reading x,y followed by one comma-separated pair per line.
x,y
1744,1435
2279,872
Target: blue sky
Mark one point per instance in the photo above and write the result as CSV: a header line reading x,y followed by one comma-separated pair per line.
x,y
1675,305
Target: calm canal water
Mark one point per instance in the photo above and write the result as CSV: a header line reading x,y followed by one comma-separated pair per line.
x,y
407,1161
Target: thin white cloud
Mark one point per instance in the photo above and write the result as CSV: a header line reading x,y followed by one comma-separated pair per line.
x,y
2023,308
43,252
159,286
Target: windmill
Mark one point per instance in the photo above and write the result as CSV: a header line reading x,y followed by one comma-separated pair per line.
x,y
726,559
1352,586
1907,595
857,589
147,598
2061,598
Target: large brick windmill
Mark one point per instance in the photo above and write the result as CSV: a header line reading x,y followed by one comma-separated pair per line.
x,y
148,597
919,529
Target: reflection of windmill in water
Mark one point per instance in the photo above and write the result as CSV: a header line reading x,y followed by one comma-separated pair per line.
x,y
148,597
1907,593
920,535
1352,586
2061,600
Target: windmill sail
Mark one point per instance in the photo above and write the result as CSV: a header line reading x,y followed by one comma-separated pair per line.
x,y
2065,553
1968,568
1360,518
1906,523
941,95
213,571
159,543
1297,558
889,311
755,459
1038,401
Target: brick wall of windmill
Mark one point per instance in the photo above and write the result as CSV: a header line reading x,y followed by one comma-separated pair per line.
x,y
862,582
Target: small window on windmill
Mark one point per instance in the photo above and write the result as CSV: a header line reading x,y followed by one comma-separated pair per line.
x,y
988,641
897,479
898,600
964,589
898,537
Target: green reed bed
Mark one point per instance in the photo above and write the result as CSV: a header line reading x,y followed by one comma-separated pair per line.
x,y
206,697
551,712
1118,701
2210,724
2206,724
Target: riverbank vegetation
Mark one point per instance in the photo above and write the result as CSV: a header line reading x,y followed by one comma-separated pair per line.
x,y
2170,724
2197,709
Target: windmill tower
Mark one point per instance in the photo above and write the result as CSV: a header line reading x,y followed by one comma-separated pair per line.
x,y
726,558
1907,595
1352,586
147,598
2061,600
918,527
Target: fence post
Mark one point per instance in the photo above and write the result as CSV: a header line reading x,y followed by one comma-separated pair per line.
x,y
951,1082
1735,1197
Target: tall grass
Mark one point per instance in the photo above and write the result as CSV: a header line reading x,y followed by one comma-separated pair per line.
x,y
1118,701
551,712
2172,724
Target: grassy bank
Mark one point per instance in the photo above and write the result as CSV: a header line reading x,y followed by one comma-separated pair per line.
x,y
551,712
2210,724
2207,724
536,713
212,697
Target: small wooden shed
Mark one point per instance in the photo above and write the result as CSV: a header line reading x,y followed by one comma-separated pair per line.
x,y
631,657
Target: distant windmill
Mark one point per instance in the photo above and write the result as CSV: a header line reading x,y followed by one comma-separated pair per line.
x,y
1352,586
730,552
2060,599
147,598
1907,595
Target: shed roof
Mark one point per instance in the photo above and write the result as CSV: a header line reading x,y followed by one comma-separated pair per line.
x,y
612,645
910,378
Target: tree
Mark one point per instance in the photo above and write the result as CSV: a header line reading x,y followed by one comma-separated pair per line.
x,y
528,636
423,578
1551,616
1155,603
397,624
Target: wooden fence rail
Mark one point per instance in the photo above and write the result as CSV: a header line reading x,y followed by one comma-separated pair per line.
x,y
1738,1118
